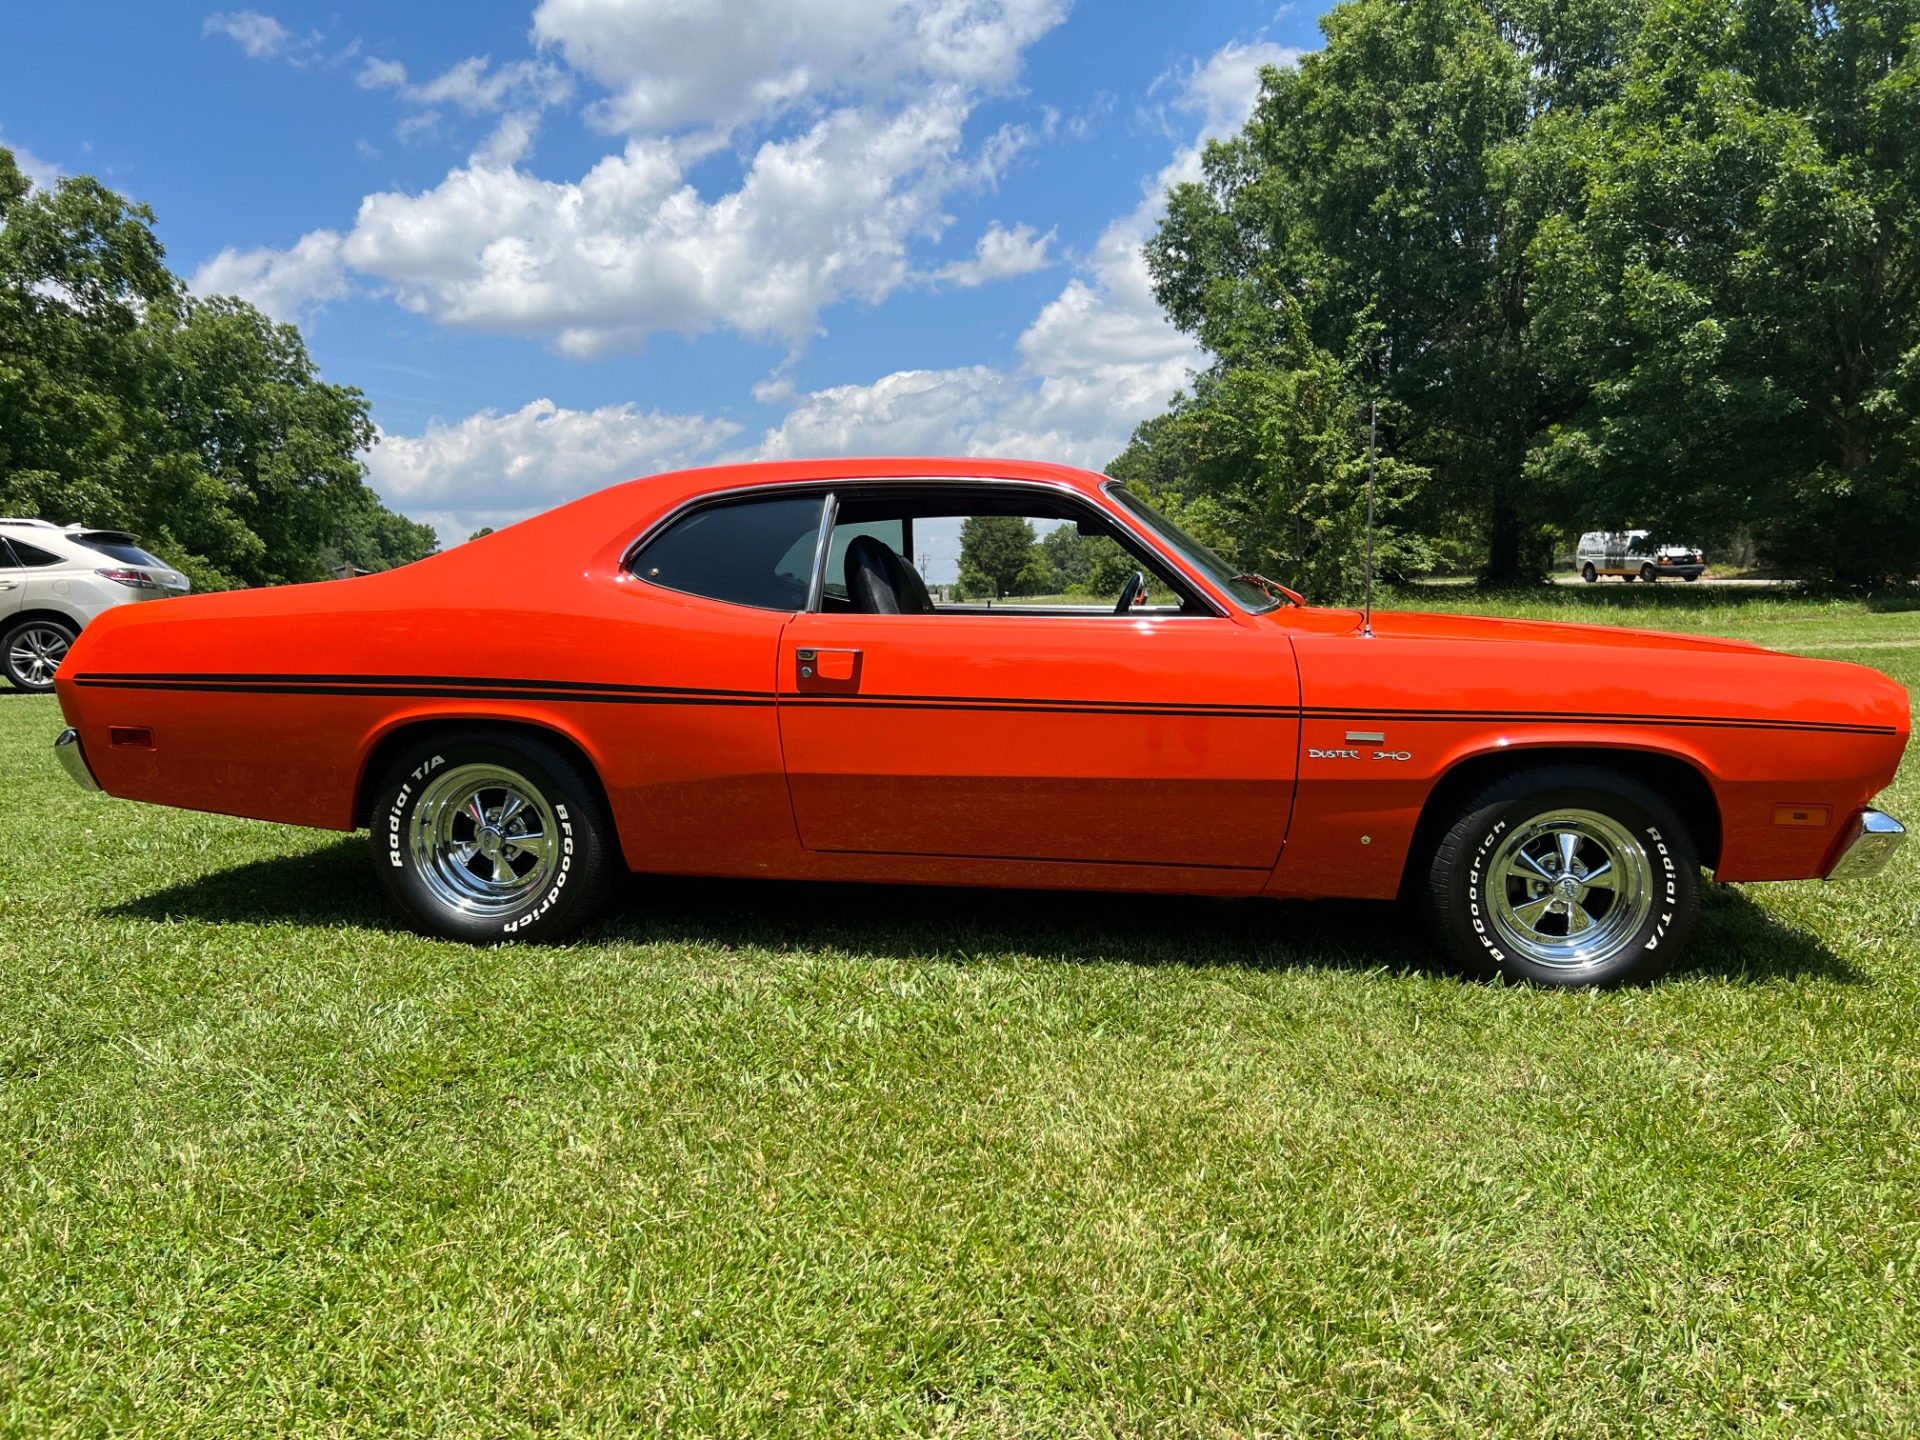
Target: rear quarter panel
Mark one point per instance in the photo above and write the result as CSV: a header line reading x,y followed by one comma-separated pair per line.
x,y
267,704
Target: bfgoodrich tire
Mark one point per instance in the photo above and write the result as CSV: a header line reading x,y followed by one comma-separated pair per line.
x,y
1565,875
486,838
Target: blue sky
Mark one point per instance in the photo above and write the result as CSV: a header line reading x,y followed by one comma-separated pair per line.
x,y
563,243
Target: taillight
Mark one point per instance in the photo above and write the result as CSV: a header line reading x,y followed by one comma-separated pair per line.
x,y
137,579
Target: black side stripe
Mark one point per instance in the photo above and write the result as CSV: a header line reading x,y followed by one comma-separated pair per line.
x,y
317,684
443,690
1563,717
460,687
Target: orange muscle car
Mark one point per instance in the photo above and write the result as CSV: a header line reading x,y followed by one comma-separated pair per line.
x,y
741,671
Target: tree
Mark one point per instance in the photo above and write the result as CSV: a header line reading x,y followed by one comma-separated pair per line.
x,y
997,557
198,423
1382,192
84,296
1267,462
1735,293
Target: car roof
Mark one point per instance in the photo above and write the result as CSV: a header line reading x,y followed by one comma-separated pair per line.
x,y
655,495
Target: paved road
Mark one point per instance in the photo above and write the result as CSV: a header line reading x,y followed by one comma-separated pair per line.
x,y
1703,580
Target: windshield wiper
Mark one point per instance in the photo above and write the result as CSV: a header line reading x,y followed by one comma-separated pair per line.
x,y
1273,587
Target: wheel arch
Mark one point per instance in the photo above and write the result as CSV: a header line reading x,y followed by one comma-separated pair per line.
x,y
42,612
1681,782
390,742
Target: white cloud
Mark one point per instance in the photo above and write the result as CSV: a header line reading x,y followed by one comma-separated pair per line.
x,y
1222,88
632,247
825,212
284,283
381,75
261,36
41,172
674,66
492,469
1000,254
510,141
1097,360
475,85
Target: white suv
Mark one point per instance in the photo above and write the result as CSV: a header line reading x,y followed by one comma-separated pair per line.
x,y
54,579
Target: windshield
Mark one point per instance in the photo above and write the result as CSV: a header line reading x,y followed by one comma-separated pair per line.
x,y
121,550
1246,594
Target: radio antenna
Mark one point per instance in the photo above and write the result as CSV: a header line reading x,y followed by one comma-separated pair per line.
x,y
1373,431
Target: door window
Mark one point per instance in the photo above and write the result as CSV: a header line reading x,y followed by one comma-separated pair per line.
x,y
745,552
989,551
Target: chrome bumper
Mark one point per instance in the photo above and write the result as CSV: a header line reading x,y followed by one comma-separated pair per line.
x,y
1874,839
73,761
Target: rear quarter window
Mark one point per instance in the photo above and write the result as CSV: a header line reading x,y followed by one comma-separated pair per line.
x,y
746,552
32,555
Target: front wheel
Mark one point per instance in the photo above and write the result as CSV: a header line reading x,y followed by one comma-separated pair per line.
x,y
32,651
1649,574
484,838
1565,875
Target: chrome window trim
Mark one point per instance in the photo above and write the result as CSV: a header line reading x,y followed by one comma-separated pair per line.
x,y
817,580
830,490
1106,487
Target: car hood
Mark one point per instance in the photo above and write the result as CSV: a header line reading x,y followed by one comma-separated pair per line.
x,y
1486,629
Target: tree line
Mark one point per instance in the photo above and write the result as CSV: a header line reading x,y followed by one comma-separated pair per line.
x,y
199,424
1592,264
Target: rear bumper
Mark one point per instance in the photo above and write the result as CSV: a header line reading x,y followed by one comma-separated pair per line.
x,y
1869,845
74,761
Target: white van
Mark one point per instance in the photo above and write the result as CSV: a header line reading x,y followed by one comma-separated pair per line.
x,y
1631,555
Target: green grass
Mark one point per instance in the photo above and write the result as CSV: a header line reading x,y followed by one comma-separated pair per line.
x,y
770,1159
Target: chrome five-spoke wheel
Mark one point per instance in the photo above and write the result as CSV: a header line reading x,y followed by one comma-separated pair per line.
x,y
1566,874
491,834
1569,888
482,839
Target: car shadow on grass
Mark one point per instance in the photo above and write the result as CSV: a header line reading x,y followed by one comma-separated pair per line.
x,y
333,886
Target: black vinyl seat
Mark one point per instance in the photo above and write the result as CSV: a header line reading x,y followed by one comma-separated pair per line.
x,y
879,582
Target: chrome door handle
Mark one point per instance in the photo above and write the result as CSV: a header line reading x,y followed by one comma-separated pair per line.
x,y
8,584
827,669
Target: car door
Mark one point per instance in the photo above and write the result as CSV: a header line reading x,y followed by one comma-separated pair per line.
x,y
1149,740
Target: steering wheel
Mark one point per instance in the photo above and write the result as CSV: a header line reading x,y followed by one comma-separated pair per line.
x,y
1135,589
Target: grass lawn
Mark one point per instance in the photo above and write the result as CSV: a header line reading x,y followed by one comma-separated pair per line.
x,y
769,1160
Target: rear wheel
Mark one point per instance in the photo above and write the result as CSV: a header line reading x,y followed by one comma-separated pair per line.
x,y
32,650
1588,573
482,837
1566,875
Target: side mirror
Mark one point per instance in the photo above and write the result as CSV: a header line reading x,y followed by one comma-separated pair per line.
x,y
1091,529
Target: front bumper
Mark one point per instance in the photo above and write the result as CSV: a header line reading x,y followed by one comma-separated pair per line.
x,y
1684,571
1874,838
74,761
